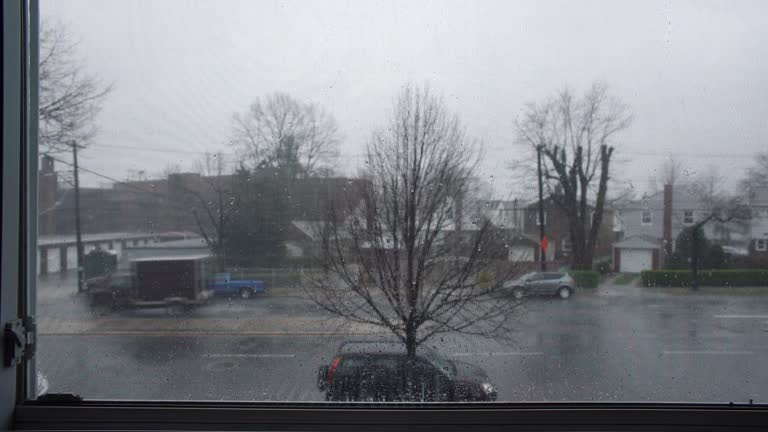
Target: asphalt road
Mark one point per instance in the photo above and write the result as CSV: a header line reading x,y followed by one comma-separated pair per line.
x,y
613,344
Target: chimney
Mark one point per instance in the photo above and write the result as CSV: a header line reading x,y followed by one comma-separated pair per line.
x,y
667,220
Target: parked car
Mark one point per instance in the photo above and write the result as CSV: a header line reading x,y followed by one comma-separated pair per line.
x,y
223,285
109,291
376,371
543,283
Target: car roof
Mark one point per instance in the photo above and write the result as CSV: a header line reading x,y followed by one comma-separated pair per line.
x,y
374,347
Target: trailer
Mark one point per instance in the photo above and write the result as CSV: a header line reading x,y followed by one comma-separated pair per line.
x,y
176,283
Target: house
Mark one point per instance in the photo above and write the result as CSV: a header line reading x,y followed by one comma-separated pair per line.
x,y
557,230
758,230
646,229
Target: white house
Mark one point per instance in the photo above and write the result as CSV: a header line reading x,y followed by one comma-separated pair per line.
x,y
758,230
646,229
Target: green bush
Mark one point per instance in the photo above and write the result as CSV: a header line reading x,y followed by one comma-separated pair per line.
x,y
586,278
682,278
604,266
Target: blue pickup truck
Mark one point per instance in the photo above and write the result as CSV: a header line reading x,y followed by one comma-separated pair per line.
x,y
222,284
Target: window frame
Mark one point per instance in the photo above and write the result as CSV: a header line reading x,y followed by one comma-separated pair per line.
x,y
17,293
394,417
685,217
642,218
762,248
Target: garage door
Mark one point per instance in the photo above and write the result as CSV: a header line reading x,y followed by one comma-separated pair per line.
x,y
636,260
521,254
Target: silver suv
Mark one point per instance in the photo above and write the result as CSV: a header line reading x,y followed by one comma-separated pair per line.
x,y
547,283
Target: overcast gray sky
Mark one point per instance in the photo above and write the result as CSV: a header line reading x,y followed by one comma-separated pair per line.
x,y
694,73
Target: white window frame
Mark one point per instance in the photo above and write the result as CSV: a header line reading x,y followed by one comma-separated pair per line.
x,y
536,218
761,245
566,245
686,213
642,218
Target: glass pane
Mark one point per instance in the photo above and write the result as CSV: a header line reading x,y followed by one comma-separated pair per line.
x,y
297,200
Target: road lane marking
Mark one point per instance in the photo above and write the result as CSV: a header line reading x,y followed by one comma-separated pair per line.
x,y
706,352
499,354
250,355
741,316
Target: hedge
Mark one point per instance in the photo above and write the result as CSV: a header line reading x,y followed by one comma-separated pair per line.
x,y
586,278
682,278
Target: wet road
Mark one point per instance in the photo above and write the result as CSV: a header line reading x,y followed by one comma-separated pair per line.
x,y
619,343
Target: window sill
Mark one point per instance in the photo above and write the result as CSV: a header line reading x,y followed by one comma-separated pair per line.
x,y
395,417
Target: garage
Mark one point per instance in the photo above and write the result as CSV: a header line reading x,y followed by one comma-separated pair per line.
x,y
635,254
636,260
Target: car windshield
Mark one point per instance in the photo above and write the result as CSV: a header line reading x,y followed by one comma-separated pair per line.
x,y
549,201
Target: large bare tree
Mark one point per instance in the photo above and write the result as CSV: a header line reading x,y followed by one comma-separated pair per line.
x,y
263,133
393,255
214,202
670,172
576,136
70,98
756,176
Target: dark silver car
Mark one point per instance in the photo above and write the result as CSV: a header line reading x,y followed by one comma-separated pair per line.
x,y
547,283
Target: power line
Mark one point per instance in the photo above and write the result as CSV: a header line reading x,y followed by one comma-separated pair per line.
x,y
132,186
162,150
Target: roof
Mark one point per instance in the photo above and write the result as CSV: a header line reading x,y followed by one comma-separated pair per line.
x,y
189,243
88,238
504,204
639,241
524,237
173,258
684,196
760,197
373,347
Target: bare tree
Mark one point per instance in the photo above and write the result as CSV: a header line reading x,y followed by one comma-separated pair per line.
x,y
214,203
721,210
70,98
756,176
261,133
576,135
388,255
670,172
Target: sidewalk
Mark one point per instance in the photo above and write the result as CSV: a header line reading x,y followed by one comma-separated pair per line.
x,y
204,326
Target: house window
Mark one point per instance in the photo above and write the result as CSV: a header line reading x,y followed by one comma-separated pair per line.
x,y
761,245
646,217
688,217
538,222
566,245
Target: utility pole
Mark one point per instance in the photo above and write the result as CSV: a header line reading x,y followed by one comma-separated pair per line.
x,y
542,235
78,234
695,258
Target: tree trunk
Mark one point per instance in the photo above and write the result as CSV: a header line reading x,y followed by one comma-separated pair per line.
x,y
411,385
695,258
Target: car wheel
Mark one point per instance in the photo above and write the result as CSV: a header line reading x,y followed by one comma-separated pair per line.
x,y
246,293
564,293
518,293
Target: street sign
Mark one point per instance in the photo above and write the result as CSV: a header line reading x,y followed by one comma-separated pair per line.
x,y
544,244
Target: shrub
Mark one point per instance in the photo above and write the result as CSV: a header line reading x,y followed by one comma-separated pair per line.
x,y
604,266
586,278
682,278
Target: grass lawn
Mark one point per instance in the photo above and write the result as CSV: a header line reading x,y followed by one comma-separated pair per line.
x,y
625,278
